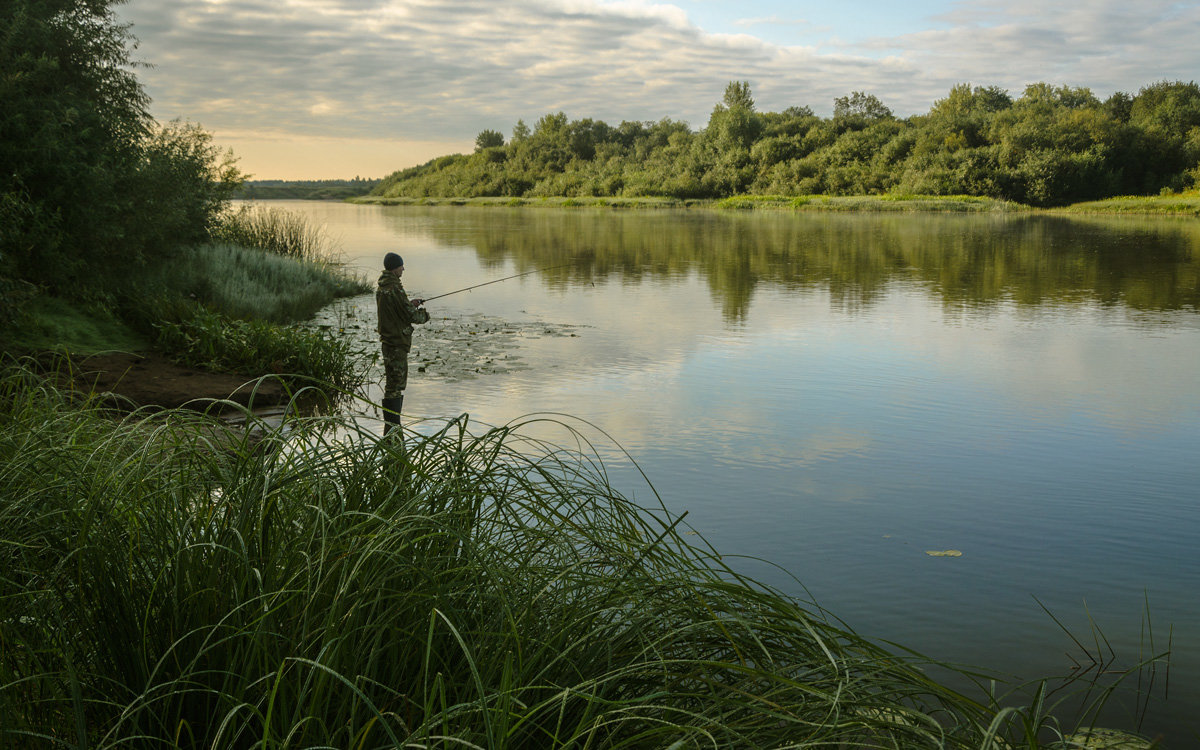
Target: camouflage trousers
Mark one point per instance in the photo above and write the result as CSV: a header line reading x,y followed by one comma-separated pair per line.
x,y
395,371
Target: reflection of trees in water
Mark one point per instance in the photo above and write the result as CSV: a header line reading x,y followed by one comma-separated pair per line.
x,y
970,261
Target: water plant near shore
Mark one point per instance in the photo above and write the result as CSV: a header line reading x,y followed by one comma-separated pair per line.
x,y
275,230
200,338
250,283
166,588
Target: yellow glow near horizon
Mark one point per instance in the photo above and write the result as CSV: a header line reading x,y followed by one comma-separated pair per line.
x,y
300,157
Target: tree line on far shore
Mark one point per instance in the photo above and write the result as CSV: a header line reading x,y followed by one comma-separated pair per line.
x,y
1052,145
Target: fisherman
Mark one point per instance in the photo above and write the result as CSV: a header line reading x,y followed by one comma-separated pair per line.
x,y
397,315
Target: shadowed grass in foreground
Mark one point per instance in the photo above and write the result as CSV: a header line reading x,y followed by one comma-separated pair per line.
x,y
451,590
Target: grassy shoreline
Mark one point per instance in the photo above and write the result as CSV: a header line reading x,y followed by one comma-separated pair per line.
x,y
232,305
453,589
1181,205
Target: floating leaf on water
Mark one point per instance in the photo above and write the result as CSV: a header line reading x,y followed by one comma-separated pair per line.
x,y
943,553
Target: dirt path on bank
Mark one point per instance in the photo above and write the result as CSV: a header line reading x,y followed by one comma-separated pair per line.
x,y
148,379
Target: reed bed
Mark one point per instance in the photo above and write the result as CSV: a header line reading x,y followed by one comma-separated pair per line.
x,y
286,233
162,587
251,283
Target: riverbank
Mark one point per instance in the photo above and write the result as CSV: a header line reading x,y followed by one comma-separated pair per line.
x,y
1181,204
1186,204
954,204
199,323
127,381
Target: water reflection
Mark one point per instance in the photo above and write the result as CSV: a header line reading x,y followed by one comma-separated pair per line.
x,y
972,261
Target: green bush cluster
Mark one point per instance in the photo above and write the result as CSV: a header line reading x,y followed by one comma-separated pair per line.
x,y
1052,146
248,283
107,217
198,337
90,184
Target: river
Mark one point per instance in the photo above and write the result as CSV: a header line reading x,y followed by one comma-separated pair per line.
x,y
835,396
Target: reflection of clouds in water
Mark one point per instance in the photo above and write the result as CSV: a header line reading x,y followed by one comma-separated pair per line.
x,y
1060,360
661,363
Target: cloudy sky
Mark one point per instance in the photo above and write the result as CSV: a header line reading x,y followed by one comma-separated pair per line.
x,y
305,89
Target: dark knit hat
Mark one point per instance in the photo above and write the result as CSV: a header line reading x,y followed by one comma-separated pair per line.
x,y
391,261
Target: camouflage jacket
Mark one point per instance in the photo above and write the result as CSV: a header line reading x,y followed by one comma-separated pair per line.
x,y
396,314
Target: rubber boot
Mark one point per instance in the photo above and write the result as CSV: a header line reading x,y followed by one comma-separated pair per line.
x,y
391,412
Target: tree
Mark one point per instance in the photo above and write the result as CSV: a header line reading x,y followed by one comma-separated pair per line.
x,y
858,110
72,120
737,94
1168,107
488,139
89,184
734,123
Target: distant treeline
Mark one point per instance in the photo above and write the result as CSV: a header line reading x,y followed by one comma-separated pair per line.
x,y
1054,145
313,190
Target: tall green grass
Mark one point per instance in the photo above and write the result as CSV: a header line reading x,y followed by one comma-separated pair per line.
x,y
250,283
286,233
230,308
1184,204
444,590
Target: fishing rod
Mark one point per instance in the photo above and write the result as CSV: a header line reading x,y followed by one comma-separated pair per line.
x,y
494,281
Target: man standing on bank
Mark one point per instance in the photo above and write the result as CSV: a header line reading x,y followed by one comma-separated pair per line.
x,y
397,315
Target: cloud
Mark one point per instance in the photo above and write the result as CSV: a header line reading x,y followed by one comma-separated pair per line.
x,y
1105,45
433,70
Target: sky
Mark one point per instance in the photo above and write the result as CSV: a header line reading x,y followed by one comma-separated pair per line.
x,y
320,89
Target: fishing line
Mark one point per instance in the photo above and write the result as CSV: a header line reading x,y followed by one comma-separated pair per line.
x,y
495,281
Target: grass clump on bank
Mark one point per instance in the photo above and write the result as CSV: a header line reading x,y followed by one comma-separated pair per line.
x,y
197,337
216,306
455,589
285,233
251,283
1186,203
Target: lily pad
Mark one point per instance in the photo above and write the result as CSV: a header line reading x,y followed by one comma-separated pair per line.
x,y
1103,739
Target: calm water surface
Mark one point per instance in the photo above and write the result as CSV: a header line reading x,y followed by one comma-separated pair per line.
x,y
838,394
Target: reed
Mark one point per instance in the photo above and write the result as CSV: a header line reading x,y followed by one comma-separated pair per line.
x,y
287,233
449,589
251,283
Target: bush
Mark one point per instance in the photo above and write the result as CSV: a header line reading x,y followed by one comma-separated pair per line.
x,y
200,338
